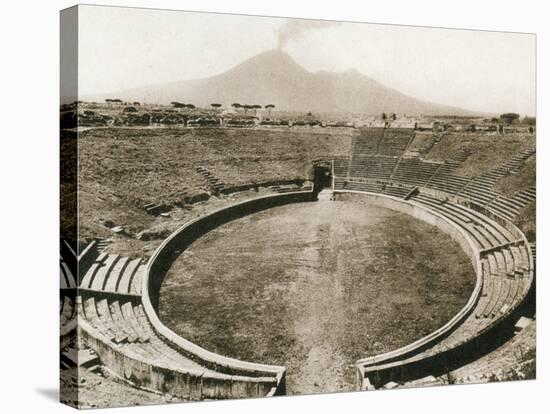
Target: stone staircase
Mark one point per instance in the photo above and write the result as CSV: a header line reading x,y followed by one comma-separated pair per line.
x,y
214,183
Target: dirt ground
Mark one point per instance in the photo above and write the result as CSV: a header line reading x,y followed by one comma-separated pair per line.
x,y
101,389
316,286
516,359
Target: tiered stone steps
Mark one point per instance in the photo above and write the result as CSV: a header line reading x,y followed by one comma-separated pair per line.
x,y
510,207
125,325
444,179
291,188
395,141
480,189
341,167
67,276
112,321
102,245
67,311
414,171
399,192
213,182
155,209
343,184
119,330
506,276
515,162
111,273
372,167
367,141
462,155
484,231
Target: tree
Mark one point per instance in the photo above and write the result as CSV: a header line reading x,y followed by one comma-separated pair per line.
x,y
384,116
529,120
176,104
509,117
246,108
393,116
216,105
269,107
190,106
236,105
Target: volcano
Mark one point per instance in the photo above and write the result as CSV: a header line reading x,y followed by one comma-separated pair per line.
x,y
273,77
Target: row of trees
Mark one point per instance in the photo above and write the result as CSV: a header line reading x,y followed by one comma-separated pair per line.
x,y
120,101
236,105
214,105
511,118
176,104
248,107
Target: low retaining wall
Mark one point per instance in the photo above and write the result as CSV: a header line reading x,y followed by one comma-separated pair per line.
x,y
191,384
406,363
467,244
446,360
171,248
249,186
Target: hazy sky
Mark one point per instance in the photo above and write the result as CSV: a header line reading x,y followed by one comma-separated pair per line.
x,y
123,48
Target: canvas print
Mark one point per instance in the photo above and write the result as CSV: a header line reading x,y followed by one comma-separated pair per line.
x,y
264,206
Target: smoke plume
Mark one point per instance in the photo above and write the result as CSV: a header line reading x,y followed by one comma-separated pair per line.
x,y
294,29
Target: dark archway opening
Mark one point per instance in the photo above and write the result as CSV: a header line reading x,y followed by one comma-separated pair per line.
x,y
322,175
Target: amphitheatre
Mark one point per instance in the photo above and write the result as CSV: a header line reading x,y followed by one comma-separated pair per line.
x,y
214,261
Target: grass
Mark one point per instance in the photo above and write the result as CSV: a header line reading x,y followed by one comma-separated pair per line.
x,y
422,142
120,170
315,287
510,184
524,178
68,189
487,150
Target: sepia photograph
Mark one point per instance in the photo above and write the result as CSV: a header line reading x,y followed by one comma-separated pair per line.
x,y
256,206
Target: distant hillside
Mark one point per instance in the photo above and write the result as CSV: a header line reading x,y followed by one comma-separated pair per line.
x,y
274,77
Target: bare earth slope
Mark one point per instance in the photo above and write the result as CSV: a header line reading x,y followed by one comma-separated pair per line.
x,y
121,170
486,151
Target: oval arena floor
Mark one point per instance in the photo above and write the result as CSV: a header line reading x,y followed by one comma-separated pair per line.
x,y
315,287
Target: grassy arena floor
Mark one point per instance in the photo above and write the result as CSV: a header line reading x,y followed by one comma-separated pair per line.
x,y
316,286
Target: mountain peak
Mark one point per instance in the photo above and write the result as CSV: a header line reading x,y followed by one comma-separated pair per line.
x,y
275,60
275,77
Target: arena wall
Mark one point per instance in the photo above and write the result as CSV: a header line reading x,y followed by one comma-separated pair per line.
x,y
190,384
399,364
405,364
466,244
171,248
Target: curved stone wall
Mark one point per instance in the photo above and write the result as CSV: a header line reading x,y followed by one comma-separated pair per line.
x,y
409,361
457,234
188,384
407,357
162,260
